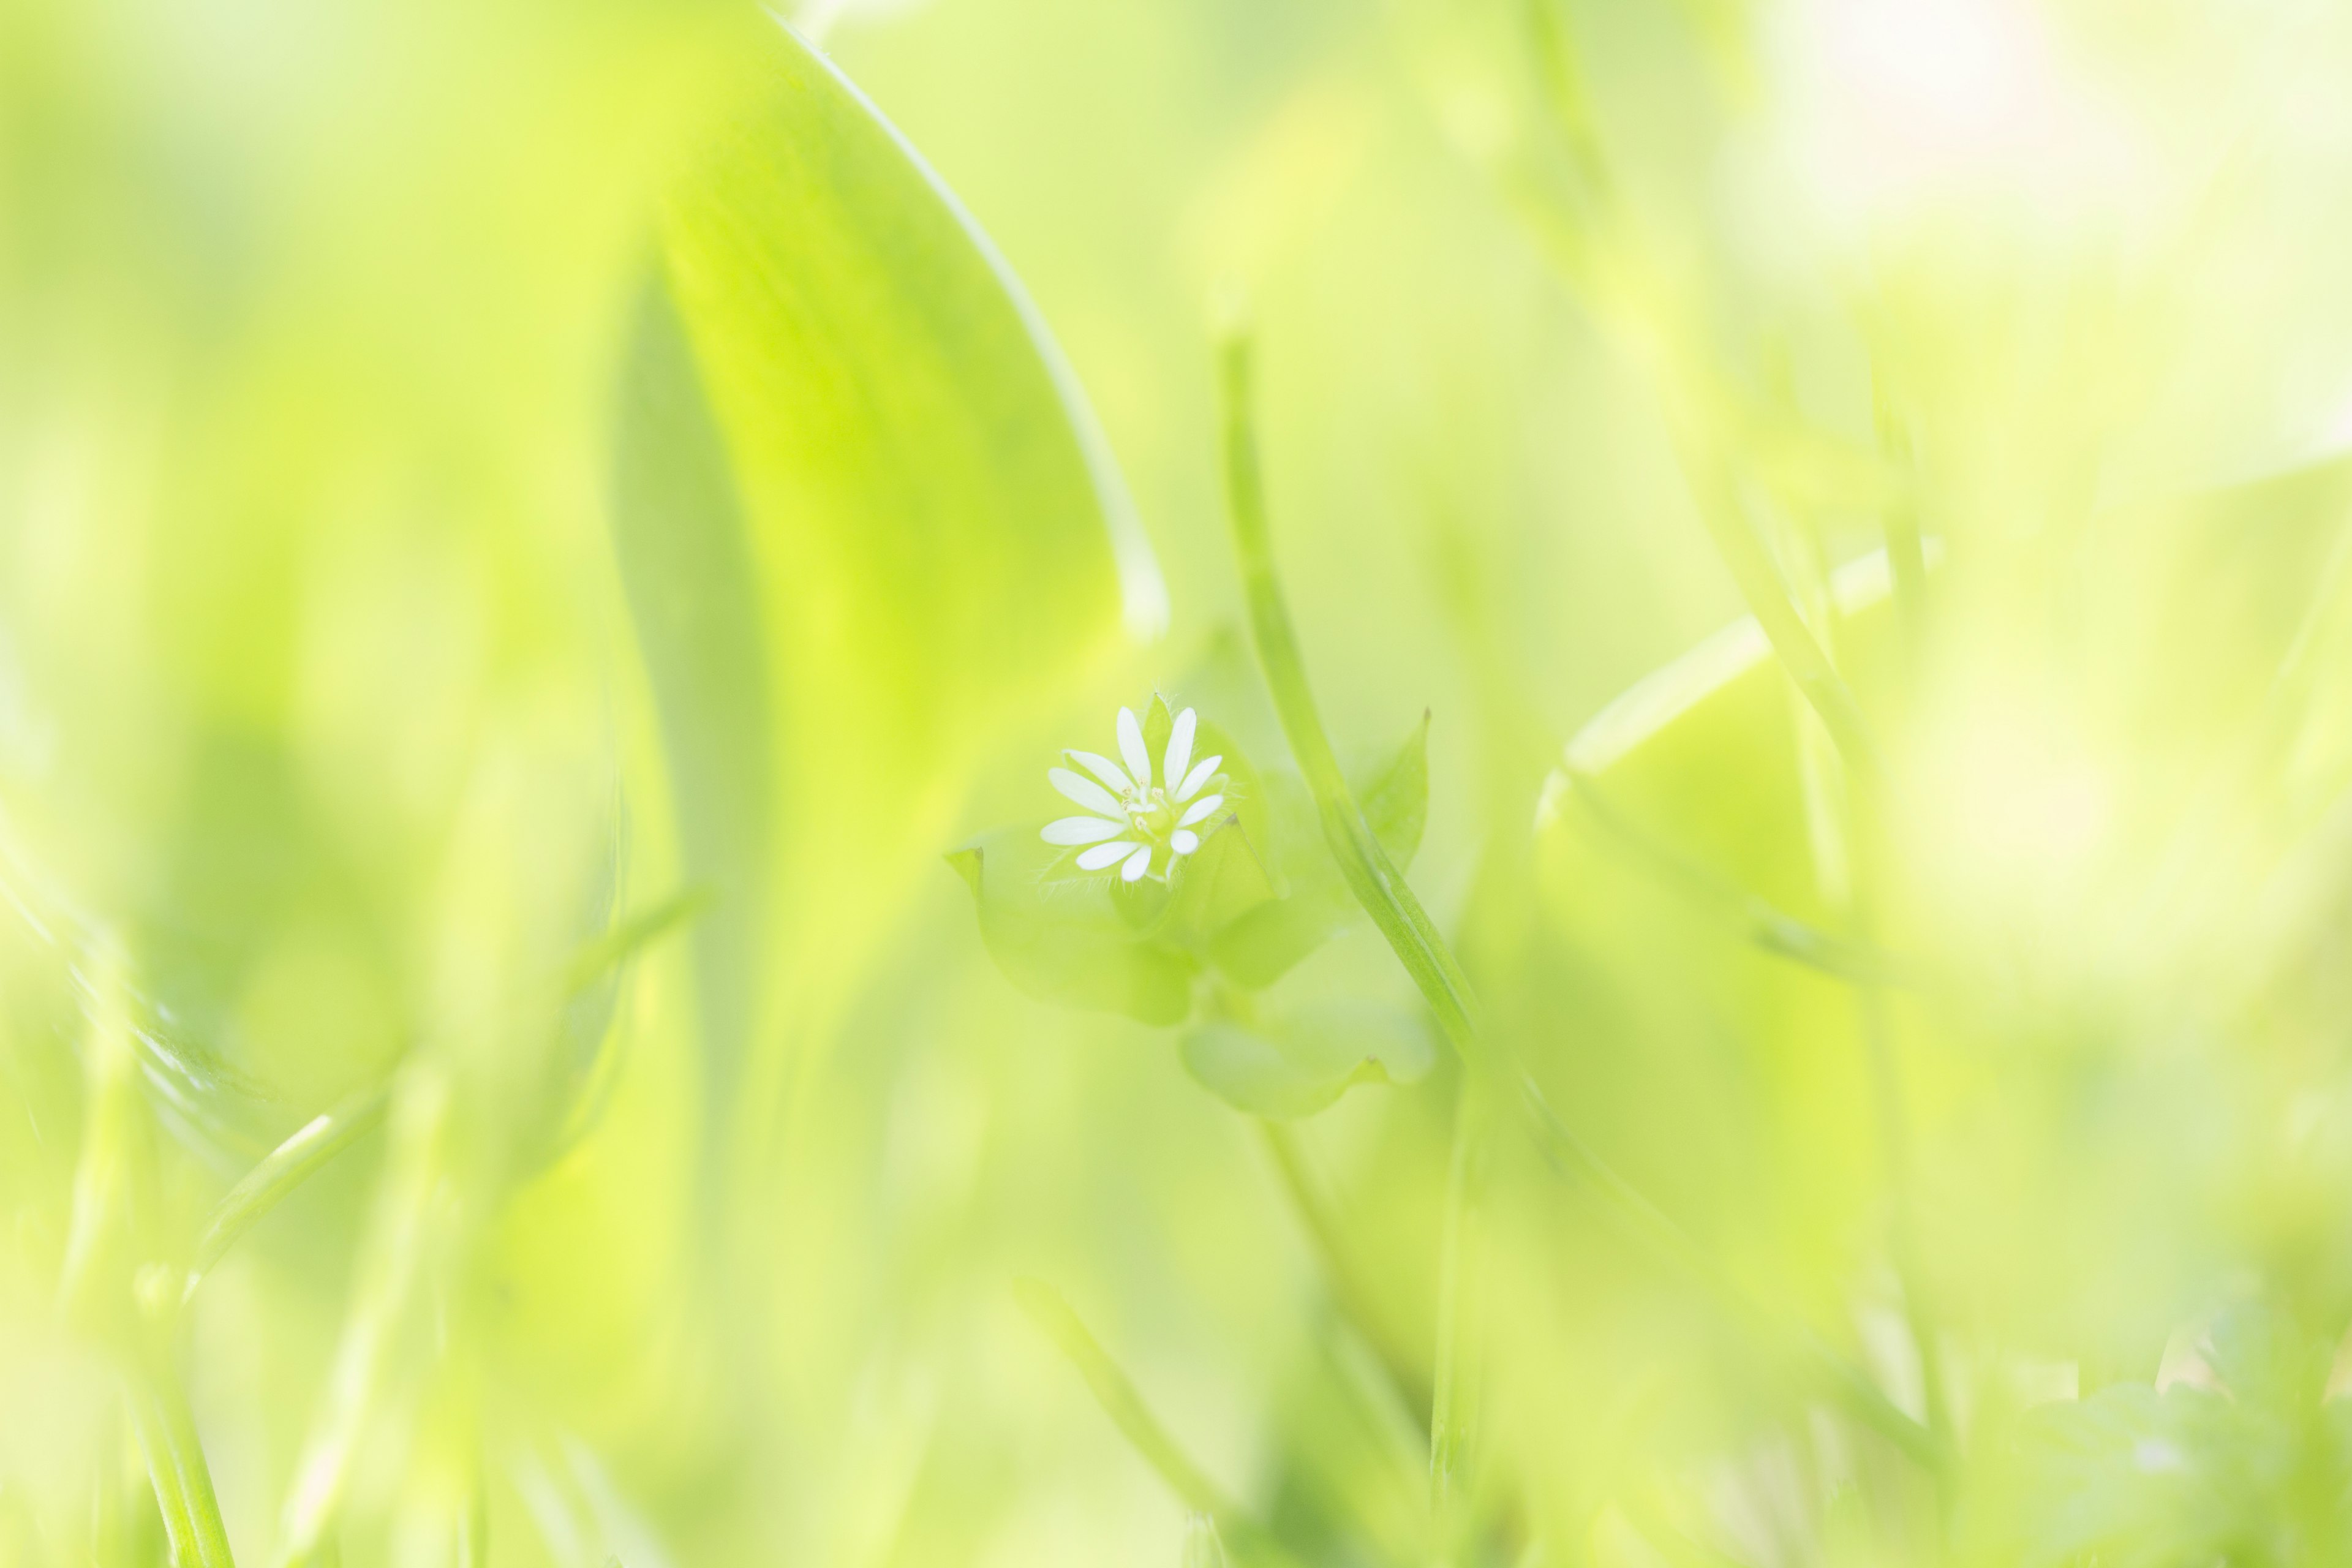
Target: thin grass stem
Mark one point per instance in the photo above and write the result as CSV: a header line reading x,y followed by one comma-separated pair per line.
x,y
1354,1299
1893,1114
1454,1403
1717,494
1690,396
1758,918
1907,550
168,1440
281,1170
1123,1403
1385,896
147,1425
328,1134
474,1526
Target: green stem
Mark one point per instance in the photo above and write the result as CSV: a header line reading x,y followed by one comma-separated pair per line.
x,y
1690,392
631,935
1907,553
474,1528
171,1492
406,1236
1350,1293
324,1136
175,1461
1849,844
1894,1117
1563,87
282,1169
1453,1404
1371,877
1762,922
1920,1315
133,1307
1383,891
1123,1403
1766,597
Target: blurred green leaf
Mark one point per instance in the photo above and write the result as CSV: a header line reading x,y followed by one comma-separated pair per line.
x,y
1299,1065
2137,1478
865,516
1263,944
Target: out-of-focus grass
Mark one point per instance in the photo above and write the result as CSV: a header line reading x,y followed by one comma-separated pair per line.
x,y
473,478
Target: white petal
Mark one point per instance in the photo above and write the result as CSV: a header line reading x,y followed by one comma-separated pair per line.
x,y
1202,771
1137,865
1180,749
1201,809
1183,841
1081,830
1102,854
1130,746
1086,791
1103,768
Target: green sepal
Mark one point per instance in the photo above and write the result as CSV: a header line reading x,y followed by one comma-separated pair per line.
x,y
1159,724
1065,940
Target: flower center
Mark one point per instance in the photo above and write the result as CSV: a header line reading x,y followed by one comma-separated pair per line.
x,y
1150,813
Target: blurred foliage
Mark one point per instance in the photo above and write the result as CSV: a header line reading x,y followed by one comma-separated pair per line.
x,y
526,531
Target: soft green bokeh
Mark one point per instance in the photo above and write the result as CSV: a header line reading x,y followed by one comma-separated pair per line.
x,y
537,541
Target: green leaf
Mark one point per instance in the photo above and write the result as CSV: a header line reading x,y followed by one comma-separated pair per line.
x,y
1264,943
1299,1066
1217,884
1066,940
865,516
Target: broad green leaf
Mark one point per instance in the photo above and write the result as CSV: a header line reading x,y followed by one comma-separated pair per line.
x,y
1263,944
1691,781
686,556
1066,941
1297,1065
859,513
865,516
1733,1083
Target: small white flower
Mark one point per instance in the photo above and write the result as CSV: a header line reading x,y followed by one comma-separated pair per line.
x,y
1138,816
